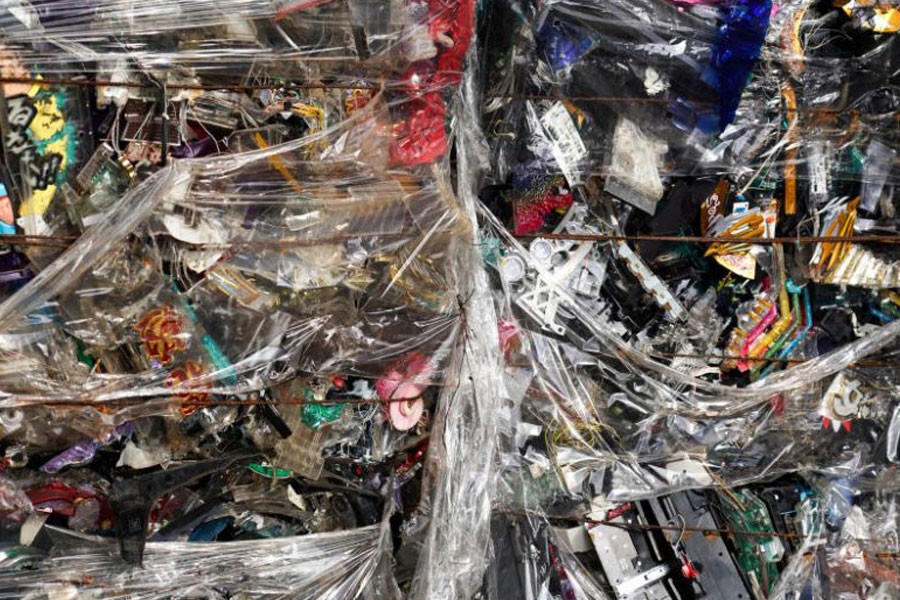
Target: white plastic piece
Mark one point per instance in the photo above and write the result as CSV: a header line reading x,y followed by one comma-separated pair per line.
x,y
203,232
633,174
417,43
541,250
576,538
513,268
622,564
893,435
136,458
31,527
542,304
652,284
33,224
685,472
24,12
566,145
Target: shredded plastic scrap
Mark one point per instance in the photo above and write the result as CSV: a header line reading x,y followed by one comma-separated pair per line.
x,y
569,300
231,324
689,226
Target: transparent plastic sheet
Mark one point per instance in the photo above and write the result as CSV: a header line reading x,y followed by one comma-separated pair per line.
x,y
456,547
689,226
541,283
380,229
532,562
230,297
652,427
178,38
845,548
664,69
336,565
256,355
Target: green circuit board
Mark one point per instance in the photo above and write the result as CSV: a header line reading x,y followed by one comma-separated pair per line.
x,y
758,555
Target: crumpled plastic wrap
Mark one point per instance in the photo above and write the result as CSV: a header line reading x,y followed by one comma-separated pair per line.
x,y
332,565
457,546
234,279
689,227
317,299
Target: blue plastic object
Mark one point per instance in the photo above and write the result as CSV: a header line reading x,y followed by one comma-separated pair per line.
x,y
742,30
562,43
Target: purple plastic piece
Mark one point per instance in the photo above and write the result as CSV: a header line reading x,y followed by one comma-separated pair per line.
x,y
84,452
195,148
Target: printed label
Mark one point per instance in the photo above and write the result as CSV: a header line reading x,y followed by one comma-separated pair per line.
x,y
739,264
818,173
713,206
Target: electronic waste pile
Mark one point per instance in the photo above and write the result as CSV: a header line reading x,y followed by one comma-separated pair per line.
x,y
439,299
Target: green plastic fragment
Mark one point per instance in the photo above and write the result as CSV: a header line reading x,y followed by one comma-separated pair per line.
x,y
491,251
317,415
81,353
857,159
270,471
